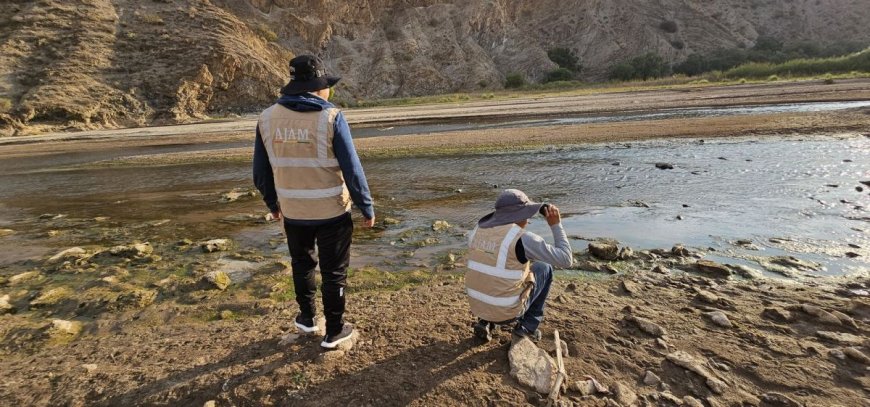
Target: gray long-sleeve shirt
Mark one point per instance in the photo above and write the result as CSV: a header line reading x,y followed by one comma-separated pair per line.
x,y
532,247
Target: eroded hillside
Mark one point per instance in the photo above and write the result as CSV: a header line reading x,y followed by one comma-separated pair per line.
x,y
107,63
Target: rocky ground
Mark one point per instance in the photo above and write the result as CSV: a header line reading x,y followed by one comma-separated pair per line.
x,y
186,322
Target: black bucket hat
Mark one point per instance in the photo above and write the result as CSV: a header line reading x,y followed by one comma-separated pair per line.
x,y
307,74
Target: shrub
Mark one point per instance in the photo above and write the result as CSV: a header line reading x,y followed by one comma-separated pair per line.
x,y
514,80
678,44
565,58
772,78
646,66
151,19
804,67
669,26
559,74
266,32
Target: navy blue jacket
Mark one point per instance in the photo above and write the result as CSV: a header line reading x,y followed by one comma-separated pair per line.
x,y
342,144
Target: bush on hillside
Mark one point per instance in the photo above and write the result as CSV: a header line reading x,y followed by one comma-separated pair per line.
x,y
514,80
646,66
565,58
559,74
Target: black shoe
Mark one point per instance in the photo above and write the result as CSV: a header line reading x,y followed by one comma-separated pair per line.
x,y
519,333
483,331
332,341
306,324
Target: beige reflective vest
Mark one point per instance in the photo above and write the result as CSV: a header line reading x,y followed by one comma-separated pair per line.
x,y
498,285
308,179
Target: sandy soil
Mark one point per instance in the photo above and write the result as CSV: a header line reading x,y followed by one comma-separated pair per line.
x,y
416,348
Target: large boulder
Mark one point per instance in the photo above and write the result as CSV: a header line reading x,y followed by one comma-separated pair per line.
x,y
604,250
713,269
218,279
532,366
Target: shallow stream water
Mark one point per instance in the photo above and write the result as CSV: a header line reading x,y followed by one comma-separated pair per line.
x,y
793,196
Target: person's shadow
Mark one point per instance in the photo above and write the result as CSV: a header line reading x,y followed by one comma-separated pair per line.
x,y
397,380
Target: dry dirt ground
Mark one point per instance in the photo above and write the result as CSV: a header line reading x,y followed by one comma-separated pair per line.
x,y
416,348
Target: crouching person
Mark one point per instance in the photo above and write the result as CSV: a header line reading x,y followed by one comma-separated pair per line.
x,y
510,269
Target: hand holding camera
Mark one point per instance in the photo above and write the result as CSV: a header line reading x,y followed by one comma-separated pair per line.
x,y
552,214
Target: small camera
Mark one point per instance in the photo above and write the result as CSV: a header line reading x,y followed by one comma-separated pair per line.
x,y
542,211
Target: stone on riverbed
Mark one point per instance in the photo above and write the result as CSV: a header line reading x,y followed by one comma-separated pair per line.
x,y
5,306
135,250
218,279
647,326
71,254
713,269
64,327
25,276
689,362
215,245
841,337
664,166
746,272
440,226
719,318
532,366
604,250
6,232
857,355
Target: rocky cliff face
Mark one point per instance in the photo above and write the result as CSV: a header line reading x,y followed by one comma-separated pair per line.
x,y
89,63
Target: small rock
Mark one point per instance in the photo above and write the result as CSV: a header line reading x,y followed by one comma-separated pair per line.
x,y
713,269
706,296
857,355
746,272
330,356
625,253
651,379
584,387
820,314
73,253
604,250
66,327
680,251
692,364
440,226
719,318
571,287
647,326
532,366
289,338
564,346
391,221
837,354
219,279
630,287
5,306
852,255
777,314
664,166
22,277
227,314
210,403
90,367
133,250
625,396
679,217
779,400
6,232
842,338
845,319
859,189
215,245
661,269
690,401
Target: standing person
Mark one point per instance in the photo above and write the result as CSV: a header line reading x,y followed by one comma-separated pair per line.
x,y
308,171
510,269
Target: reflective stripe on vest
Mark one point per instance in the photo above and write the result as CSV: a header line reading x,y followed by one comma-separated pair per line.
x,y
498,285
308,179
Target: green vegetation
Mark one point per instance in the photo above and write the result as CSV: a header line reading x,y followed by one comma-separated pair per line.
x,y
669,26
859,62
569,65
559,74
646,66
5,105
514,80
765,50
266,32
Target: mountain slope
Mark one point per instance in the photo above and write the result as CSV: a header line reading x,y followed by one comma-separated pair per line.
x,y
107,63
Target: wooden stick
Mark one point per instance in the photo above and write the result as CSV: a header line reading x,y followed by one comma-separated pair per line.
x,y
561,376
